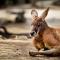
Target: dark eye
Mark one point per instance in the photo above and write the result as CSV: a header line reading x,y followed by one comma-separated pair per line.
x,y
38,25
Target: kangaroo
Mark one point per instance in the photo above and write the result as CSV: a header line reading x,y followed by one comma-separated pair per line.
x,y
43,36
8,35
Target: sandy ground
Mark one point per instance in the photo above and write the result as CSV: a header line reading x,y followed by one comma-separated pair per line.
x,y
19,50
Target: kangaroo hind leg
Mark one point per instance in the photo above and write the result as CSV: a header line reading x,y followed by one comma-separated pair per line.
x,y
51,52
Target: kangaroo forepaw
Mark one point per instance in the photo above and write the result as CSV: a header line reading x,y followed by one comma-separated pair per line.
x,y
32,53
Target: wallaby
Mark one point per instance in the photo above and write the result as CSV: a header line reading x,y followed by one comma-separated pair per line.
x,y
44,36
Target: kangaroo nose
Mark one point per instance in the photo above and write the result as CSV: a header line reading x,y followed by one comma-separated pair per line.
x,y
32,33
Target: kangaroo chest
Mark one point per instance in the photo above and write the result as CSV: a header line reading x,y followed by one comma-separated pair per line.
x,y
50,40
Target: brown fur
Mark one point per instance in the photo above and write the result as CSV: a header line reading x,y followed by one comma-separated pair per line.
x,y
46,36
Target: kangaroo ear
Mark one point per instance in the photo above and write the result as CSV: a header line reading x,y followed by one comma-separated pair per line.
x,y
44,14
34,13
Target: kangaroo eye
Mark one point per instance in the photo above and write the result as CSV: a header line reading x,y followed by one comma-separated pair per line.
x,y
38,25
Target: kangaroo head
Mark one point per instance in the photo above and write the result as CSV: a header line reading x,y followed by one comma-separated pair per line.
x,y
38,21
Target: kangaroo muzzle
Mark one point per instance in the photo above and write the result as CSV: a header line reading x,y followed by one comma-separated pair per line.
x,y
33,33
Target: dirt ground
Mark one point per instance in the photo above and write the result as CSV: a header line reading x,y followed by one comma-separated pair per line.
x,y
19,50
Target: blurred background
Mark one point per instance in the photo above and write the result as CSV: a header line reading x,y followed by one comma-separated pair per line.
x,y
15,14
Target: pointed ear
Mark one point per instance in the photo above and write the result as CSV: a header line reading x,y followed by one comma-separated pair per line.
x,y
34,13
44,14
